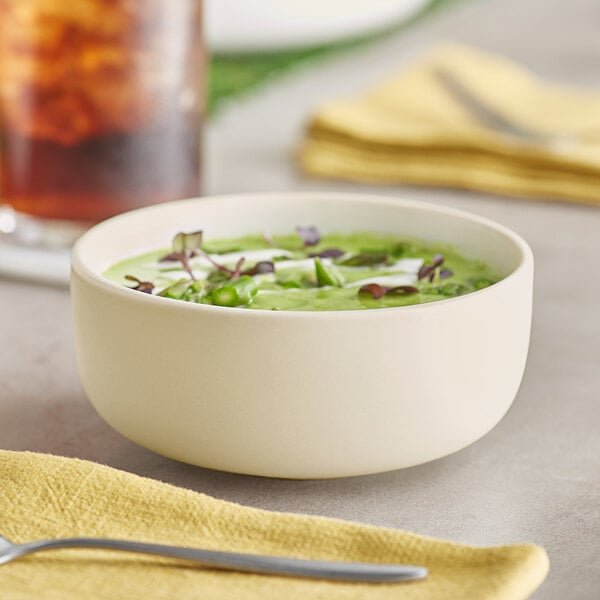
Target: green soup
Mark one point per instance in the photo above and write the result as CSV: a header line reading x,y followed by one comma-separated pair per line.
x,y
304,271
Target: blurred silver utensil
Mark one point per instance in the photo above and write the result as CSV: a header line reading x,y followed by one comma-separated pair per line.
x,y
492,118
231,561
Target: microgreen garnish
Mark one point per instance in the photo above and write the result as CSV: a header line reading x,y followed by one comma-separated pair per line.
x,y
185,246
142,286
379,291
310,236
186,243
402,290
433,272
222,268
237,270
428,270
328,253
328,274
260,268
365,259
172,257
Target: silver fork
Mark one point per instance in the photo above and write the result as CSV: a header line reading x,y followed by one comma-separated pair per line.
x,y
494,119
232,561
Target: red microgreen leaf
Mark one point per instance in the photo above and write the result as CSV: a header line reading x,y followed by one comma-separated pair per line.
x,y
402,290
173,257
260,268
310,235
379,291
328,253
365,259
429,271
185,245
237,271
374,289
424,271
187,242
142,286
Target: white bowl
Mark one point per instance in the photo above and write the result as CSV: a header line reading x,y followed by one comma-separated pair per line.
x,y
266,26
301,394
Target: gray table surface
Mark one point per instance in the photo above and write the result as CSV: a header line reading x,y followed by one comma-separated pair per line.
x,y
536,476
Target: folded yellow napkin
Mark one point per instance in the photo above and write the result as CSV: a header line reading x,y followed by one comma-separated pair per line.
x,y
412,129
44,496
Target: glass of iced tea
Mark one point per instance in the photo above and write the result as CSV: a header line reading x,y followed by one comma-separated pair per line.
x,y
100,108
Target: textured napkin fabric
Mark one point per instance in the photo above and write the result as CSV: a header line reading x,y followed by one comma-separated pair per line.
x,y
412,129
44,496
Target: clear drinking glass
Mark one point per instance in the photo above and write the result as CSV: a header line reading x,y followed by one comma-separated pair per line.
x,y
100,109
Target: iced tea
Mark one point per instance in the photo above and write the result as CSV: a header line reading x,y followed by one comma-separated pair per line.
x,y
100,105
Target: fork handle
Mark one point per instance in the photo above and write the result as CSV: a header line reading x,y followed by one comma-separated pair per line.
x,y
253,563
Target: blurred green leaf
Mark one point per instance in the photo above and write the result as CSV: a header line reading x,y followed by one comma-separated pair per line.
x,y
232,75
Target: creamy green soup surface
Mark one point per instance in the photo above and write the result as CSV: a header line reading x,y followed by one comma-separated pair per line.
x,y
303,271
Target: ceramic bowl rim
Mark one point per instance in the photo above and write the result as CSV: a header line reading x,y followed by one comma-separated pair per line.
x,y
79,266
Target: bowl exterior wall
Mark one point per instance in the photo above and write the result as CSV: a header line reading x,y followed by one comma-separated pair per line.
x,y
303,397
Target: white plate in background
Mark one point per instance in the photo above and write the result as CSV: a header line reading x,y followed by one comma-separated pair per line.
x,y
269,25
35,264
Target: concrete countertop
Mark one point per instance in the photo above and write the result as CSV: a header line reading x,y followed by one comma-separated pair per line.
x,y
536,476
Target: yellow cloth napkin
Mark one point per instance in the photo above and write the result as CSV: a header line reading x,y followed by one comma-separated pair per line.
x,y
411,129
44,496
